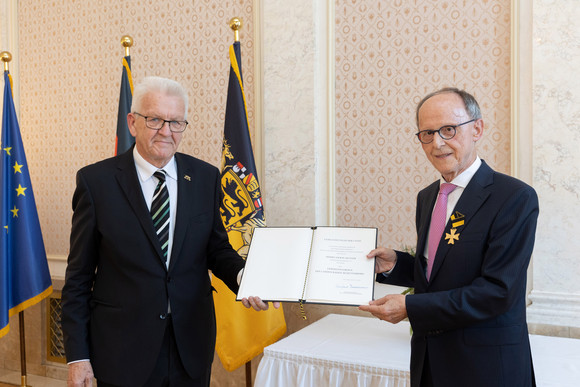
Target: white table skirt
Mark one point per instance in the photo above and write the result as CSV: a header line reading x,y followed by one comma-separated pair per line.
x,y
339,350
556,361
346,351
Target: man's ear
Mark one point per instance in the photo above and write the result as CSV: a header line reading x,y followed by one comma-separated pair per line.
x,y
131,124
478,126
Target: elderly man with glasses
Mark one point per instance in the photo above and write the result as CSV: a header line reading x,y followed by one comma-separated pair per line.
x,y
137,302
475,236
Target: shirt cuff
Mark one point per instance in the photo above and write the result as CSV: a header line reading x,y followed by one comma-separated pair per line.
x,y
77,361
240,276
387,273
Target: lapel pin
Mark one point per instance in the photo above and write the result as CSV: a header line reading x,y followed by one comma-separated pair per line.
x,y
457,219
452,237
187,177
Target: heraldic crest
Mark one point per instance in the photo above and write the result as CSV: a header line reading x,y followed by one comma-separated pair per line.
x,y
241,209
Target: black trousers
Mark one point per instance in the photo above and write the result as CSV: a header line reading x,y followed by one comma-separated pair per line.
x,y
426,377
169,370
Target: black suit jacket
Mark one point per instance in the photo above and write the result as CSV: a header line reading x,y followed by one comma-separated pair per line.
x,y
117,287
471,316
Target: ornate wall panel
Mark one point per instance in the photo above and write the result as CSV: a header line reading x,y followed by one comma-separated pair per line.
x,y
388,56
70,72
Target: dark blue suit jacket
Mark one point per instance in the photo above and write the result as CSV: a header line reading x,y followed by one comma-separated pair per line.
x,y
471,316
117,287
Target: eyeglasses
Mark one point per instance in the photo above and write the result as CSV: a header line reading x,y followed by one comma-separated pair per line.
x,y
446,132
156,123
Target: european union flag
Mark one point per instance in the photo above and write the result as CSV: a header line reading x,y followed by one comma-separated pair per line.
x,y
124,139
24,276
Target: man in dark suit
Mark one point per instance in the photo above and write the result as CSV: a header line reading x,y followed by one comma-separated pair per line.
x,y
137,301
468,313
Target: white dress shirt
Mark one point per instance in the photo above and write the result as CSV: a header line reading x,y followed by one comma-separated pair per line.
x,y
461,182
148,182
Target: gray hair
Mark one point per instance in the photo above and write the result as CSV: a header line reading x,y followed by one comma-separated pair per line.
x,y
158,85
471,105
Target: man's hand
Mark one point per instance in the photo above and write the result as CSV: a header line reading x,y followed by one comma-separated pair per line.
x,y
385,259
80,374
390,308
258,304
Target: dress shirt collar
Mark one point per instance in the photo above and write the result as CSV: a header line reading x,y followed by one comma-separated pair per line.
x,y
145,169
465,177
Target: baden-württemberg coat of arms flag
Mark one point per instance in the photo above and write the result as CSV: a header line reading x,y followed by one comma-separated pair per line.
x,y
24,276
242,333
124,139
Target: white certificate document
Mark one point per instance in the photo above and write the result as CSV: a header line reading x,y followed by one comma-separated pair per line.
x,y
326,265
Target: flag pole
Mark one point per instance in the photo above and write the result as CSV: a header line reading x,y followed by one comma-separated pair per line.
x,y
6,58
123,138
22,350
127,42
236,25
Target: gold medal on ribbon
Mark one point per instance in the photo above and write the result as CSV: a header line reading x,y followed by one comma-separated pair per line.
x,y
451,238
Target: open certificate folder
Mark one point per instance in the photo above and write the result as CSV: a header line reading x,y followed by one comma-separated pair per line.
x,y
325,265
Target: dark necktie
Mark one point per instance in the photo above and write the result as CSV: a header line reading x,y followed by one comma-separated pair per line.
x,y
160,212
438,221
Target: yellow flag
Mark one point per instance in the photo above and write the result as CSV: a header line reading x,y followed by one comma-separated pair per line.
x,y
242,333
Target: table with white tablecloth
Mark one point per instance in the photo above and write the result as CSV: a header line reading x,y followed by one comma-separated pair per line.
x,y
341,350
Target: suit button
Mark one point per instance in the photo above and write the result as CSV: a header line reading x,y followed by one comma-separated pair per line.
x,y
168,279
163,316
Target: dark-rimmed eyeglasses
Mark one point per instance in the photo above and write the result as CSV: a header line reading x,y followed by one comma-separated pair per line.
x,y
157,123
446,132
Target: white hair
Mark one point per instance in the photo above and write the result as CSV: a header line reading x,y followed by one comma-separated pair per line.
x,y
159,85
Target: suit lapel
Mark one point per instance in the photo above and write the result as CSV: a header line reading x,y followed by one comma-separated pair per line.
x,y
128,180
472,198
185,202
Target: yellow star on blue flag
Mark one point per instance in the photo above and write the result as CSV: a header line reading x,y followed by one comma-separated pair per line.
x,y
17,167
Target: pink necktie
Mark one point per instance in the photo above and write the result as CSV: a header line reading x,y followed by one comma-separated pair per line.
x,y
438,221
